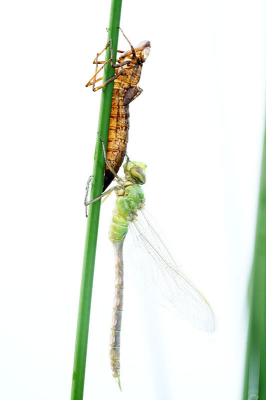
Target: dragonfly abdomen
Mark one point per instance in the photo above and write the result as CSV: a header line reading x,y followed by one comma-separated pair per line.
x,y
124,92
129,200
117,312
118,134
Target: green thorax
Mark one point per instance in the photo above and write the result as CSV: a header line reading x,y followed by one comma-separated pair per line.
x,y
130,199
128,202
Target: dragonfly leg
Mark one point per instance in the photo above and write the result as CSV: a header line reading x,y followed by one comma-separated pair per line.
x,y
132,48
127,161
107,162
118,64
87,203
87,191
93,80
122,51
107,195
121,72
127,157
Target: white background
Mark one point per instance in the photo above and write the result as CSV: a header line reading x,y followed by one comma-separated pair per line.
x,y
198,126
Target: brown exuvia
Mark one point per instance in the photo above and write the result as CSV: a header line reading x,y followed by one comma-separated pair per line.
x,y
127,75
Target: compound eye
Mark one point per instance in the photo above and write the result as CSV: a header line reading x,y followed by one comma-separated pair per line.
x,y
145,53
138,174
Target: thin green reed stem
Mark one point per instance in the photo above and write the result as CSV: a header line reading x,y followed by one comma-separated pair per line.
x,y
94,214
255,373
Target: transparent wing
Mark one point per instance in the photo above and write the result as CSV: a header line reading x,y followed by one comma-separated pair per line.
x,y
149,262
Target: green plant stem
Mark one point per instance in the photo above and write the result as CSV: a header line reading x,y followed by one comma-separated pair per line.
x,y
255,373
94,214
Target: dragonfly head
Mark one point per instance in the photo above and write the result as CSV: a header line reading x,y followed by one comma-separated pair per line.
x,y
142,52
135,172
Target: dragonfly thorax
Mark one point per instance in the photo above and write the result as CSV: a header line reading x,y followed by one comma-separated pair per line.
x,y
130,199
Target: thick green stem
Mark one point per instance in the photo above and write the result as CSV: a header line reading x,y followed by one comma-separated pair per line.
x,y
94,214
255,373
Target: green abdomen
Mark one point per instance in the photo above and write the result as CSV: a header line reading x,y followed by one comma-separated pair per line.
x,y
125,211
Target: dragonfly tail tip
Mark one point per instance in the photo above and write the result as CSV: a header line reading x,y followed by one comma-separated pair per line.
x,y
119,382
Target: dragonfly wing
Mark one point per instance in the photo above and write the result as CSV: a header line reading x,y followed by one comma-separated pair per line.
x,y
149,262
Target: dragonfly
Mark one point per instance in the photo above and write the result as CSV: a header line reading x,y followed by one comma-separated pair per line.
x,y
133,230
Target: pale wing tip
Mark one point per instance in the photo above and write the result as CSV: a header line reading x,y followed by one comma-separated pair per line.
x,y
211,328
205,322
211,320
212,323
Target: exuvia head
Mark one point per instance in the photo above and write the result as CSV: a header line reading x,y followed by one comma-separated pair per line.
x,y
135,172
142,52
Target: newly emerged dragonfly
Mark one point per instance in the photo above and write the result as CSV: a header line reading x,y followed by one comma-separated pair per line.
x,y
165,282
128,69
